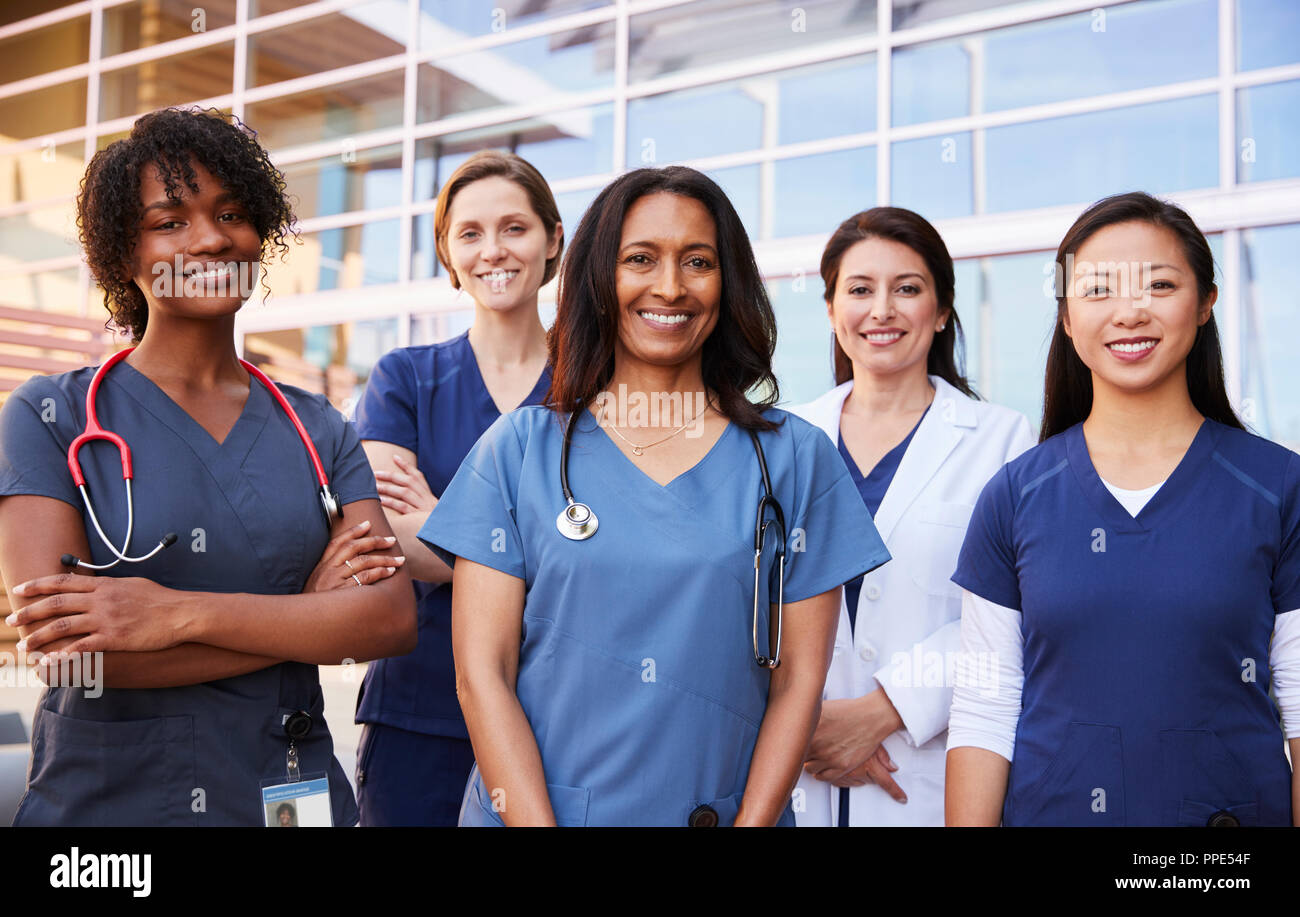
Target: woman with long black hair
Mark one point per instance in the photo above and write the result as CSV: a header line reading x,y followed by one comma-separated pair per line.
x,y
1132,582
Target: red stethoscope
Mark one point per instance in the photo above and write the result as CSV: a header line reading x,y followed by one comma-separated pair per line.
x,y
329,501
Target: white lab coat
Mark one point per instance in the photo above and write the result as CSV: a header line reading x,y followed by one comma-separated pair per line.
x,y
909,613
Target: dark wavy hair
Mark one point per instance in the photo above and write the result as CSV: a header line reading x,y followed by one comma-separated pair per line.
x,y
947,354
737,356
1067,388
109,208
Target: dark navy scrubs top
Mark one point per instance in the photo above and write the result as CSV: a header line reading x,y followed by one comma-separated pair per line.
x,y
432,400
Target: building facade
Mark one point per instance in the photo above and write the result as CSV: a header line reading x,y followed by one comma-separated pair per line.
x,y
999,121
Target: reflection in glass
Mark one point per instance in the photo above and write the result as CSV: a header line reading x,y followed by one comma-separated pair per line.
x,y
335,111
828,100
706,32
351,36
526,72
814,194
740,184
802,362
561,145
47,232
175,80
353,180
45,172
143,23
1160,147
444,22
433,327
1268,33
1069,57
333,259
573,204
43,111
933,176
693,124
910,13
333,360
1268,131
63,44
1270,327
1016,331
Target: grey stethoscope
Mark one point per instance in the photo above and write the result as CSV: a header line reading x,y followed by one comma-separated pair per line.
x,y
577,522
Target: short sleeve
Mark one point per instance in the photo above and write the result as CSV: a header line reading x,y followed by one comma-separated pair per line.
x,y
831,537
387,409
987,563
349,472
476,516
1286,571
32,460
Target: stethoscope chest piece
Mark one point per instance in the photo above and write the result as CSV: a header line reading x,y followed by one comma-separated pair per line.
x,y
577,522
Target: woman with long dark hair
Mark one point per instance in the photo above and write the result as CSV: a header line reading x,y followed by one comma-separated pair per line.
x,y
621,655
1132,582
919,446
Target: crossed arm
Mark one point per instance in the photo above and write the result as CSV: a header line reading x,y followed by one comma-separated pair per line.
x,y
154,637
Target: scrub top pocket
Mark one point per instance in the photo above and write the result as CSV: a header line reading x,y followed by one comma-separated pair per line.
x,y
1204,778
1082,786
568,803
143,771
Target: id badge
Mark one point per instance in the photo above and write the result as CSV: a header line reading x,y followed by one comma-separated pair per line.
x,y
303,803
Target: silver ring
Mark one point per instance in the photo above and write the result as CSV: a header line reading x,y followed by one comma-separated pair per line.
x,y
354,576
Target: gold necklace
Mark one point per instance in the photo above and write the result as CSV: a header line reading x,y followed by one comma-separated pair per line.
x,y
638,449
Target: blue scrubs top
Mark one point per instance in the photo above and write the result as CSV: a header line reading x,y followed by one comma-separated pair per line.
x,y
872,489
1146,640
636,670
249,520
433,401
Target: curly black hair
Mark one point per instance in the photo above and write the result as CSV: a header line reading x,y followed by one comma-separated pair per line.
x,y
109,208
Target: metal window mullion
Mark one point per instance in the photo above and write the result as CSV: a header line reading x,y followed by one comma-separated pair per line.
x,y
239,83
1227,106
621,30
884,100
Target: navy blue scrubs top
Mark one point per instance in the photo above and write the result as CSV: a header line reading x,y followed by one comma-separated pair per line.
x,y
872,489
248,520
1146,639
431,400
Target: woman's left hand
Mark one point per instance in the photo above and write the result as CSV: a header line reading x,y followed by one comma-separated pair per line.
x,y
99,614
849,732
404,489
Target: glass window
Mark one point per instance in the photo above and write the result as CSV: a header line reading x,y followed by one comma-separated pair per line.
x,y
693,124
47,232
910,13
531,71
432,327
266,7
1105,50
424,256
15,12
151,22
48,291
1268,33
802,362
1270,326
34,175
828,100
561,145
968,295
333,360
1160,147
741,184
573,204
43,111
707,32
63,44
814,194
1015,329
341,110
155,84
444,22
353,180
351,36
347,257
933,176
1268,131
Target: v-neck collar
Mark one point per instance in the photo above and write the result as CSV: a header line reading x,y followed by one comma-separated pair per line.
x,y
606,442
1165,502
484,396
238,442
891,458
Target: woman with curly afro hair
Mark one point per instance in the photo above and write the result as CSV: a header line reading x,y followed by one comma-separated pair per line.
x,y
173,679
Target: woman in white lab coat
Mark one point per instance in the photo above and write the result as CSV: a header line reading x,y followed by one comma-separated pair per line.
x,y
920,447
